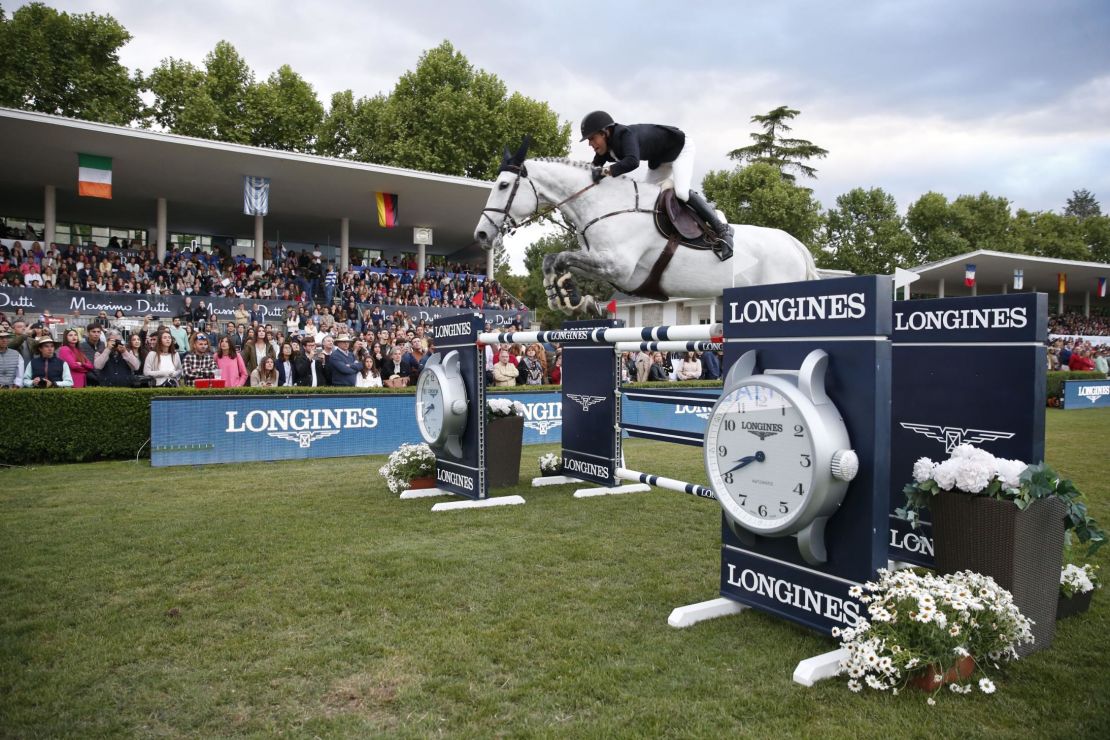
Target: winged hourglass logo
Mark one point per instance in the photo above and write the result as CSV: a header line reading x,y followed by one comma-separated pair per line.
x,y
304,439
953,437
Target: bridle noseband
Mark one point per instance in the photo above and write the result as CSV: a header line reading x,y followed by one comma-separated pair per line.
x,y
521,173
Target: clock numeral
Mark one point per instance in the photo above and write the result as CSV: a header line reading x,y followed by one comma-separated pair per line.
x,y
743,498
728,478
722,451
799,430
762,510
798,489
783,508
730,425
806,462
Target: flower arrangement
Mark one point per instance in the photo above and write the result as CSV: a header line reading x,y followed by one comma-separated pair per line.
x,y
974,471
921,625
497,408
406,463
1075,580
550,464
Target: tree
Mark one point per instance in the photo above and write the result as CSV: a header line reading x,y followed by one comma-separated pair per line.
x,y
444,116
181,101
865,234
534,295
1096,232
759,195
984,221
1048,234
781,153
1082,205
67,65
286,112
933,228
218,102
335,136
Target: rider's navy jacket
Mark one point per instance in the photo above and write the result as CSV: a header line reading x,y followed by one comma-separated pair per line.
x,y
630,144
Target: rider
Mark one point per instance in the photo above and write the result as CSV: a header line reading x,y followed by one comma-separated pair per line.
x,y
669,153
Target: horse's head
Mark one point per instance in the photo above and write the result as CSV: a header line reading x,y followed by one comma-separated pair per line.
x,y
512,199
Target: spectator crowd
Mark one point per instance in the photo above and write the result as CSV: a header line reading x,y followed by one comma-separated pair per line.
x,y
292,276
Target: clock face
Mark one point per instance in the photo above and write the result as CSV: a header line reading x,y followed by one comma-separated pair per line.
x,y
759,453
429,407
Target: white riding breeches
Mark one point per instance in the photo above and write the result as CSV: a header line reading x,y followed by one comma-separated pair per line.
x,y
680,171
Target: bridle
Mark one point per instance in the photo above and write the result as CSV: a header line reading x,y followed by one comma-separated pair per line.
x,y
522,172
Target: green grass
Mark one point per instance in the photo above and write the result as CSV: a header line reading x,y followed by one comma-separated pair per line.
x,y
302,599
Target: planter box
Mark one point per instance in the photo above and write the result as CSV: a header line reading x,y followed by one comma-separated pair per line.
x,y
504,437
926,680
1069,606
1021,550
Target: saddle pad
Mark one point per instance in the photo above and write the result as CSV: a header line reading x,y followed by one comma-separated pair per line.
x,y
678,213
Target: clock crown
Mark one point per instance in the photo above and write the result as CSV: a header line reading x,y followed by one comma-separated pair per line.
x,y
845,465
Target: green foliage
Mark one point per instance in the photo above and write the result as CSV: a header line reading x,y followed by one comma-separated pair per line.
x,y
534,295
772,148
1096,233
1041,482
983,221
444,116
1082,204
865,234
286,112
67,65
99,423
760,196
1048,234
932,225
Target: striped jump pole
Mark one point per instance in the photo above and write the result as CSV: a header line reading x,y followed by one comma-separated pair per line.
x,y
681,333
669,483
668,346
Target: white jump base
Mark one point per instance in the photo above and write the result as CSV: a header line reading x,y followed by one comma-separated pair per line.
x,y
613,491
483,503
423,493
553,480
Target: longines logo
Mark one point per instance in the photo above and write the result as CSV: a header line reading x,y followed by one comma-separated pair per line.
x,y
761,429
303,426
543,417
799,308
1094,392
585,401
699,411
304,439
953,437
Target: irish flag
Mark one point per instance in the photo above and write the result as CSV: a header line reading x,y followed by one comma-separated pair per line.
x,y
94,176
387,209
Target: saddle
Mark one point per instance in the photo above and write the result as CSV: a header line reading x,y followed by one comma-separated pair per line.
x,y
680,226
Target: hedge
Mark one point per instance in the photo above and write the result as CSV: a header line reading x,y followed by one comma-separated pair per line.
x,y
1055,380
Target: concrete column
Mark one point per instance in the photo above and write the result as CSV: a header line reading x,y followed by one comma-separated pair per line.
x,y
344,244
421,259
940,288
490,259
975,288
258,238
1059,303
161,232
1086,303
1005,288
49,216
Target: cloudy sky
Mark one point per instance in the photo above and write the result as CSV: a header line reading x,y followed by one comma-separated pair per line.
x,y
1011,97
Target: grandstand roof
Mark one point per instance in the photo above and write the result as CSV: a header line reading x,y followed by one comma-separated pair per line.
x,y
993,270
202,182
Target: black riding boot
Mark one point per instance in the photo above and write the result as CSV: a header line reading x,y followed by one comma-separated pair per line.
x,y
723,231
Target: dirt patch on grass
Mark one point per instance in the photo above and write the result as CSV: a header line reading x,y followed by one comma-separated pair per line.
x,y
372,695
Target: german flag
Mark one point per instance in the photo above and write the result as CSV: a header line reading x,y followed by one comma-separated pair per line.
x,y
387,209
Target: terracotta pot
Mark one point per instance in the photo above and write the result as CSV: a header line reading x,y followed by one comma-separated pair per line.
x,y
926,680
428,481
1021,550
1069,606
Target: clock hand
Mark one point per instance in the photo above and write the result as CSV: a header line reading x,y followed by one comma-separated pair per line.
x,y
744,461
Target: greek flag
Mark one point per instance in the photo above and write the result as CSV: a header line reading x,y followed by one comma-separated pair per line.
x,y
256,195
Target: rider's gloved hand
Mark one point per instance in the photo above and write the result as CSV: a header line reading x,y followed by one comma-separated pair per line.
x,y
597,173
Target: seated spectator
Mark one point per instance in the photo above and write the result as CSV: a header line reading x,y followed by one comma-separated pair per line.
x,y
657,371
230,363
198,362
11,363
557,370
395,371
308,365
116,364
163,363
504,371
369,376
710,366
265,375
1080,360
284,365
531,370
690,368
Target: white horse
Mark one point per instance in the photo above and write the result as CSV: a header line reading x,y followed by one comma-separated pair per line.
x,y
614,222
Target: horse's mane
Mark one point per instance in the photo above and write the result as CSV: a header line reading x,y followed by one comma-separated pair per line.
x,y
563,160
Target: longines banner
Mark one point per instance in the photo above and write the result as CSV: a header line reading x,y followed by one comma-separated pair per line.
x,y
216,429
1086,394
64,302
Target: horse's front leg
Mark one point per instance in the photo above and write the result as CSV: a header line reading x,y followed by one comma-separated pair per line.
x,y
567,294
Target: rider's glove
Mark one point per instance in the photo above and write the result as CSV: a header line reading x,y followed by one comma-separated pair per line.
x,y
597,173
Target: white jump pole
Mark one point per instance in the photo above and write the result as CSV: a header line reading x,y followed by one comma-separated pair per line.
x,y
682,332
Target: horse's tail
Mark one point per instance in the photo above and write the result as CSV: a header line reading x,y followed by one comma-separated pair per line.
x,y
807,257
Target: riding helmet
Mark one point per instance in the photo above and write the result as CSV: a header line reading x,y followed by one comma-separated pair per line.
x,y
594,122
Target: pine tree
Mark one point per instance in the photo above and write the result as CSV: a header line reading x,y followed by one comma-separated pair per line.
x,y
781,153
1082,204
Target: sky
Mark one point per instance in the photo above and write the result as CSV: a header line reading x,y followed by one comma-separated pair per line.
x,y
1011,97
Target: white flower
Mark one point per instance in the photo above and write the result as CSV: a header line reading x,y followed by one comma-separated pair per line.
x,y
1009,472
974,475
961,651
923,469
986,685
945,473
855,592
855,685
931,701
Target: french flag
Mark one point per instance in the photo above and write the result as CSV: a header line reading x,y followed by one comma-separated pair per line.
x,y
1102,287
969,275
